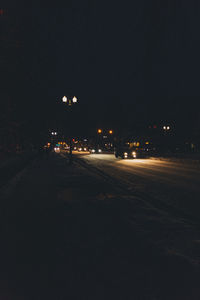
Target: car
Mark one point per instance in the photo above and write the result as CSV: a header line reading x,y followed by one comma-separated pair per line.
x,y
82,149
95,150
125,152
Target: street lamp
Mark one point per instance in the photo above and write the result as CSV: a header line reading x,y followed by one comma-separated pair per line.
x,y
74,99
64,99
69,102
165,128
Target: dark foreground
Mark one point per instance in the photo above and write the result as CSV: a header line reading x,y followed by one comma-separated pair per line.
x,y
65,235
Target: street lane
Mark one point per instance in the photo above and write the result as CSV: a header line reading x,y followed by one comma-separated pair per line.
x,y
175,183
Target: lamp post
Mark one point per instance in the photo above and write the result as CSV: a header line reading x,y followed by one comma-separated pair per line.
x,y
69,102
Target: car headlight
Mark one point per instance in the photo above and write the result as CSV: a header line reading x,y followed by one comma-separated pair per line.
x,y
99,150
80,149
93,151
85,149
134,154
125,154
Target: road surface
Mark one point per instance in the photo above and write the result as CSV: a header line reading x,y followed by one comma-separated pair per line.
x,y
97,229
171,183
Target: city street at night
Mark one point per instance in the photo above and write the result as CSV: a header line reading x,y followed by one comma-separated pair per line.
x,y
100,150
97,229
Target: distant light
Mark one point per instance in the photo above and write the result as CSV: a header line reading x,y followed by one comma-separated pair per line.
x,y
93,151
57,149
168,128
64,99
110,131
99,150
164,127
99,131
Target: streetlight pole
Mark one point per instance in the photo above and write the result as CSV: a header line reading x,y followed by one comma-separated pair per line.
x,y
70,102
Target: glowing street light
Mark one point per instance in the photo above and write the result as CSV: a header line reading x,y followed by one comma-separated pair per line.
x,y
69,102
166,128
99,131
110,131
64,99
74,99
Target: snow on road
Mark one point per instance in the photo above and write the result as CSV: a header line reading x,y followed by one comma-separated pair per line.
x,y
158,201
175,183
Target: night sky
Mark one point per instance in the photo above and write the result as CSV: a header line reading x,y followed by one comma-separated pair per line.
x,y
127,62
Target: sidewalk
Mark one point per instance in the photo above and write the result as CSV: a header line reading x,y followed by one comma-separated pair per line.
x,y
64,235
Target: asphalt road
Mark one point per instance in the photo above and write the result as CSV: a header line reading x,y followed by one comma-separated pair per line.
x,y
171,183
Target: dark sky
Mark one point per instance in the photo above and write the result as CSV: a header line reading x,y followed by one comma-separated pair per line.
x,y
125,61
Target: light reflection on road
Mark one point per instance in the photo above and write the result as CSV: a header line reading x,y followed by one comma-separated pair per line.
x,y
173,181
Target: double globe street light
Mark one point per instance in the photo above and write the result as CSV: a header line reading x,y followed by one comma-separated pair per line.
x,y
70,102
